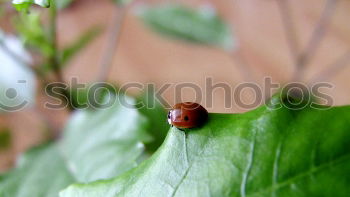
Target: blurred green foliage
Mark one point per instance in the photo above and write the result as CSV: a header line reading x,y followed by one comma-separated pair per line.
x,y
122,2
80,43
157,116
40,172
5,138
33,32
96,144
201,26
25,4
61,4
91,95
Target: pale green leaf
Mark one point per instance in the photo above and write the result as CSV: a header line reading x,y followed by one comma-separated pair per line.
x,y
41,172
201,26
60,4
100,144
97,144
122,2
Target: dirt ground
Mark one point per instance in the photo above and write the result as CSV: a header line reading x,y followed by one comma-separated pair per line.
x,y
146,57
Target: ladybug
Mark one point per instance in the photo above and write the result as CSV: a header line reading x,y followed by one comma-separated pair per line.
x,y
187,115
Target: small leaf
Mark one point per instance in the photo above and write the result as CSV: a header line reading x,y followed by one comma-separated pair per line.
x,y
265,152
25,4
5,138
41,172
83,40
32,32
61,4
198,26
104,143
122,2
68,52
17,81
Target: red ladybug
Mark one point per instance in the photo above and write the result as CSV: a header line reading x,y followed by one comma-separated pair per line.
x,y
187,115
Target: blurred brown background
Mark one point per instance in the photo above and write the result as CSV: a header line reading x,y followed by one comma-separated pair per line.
x,y
144,56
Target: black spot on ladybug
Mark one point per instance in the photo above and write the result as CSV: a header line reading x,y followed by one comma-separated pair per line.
x,y
186,118
187,115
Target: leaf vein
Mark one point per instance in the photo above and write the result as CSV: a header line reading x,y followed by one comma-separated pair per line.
x,y
249,166
189,166
308,172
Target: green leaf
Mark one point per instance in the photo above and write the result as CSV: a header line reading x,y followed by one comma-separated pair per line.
x,y
157,117
17,81
83,40
122,2
32,32
61,4
41,172
25,4
67,53
104,143
198,26
269,151
5,138
86,97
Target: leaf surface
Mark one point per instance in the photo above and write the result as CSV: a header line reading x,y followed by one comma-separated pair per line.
x,y
41,172
265,152
100,144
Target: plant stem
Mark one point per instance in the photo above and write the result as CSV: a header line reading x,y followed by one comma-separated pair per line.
x,y
289,29
53,60
333,69
112,42
242,65
240,60
316,38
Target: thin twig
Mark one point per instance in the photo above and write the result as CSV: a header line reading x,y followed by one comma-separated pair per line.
x,y
316,38
289,29
242,65
112,42
333,69
53,59
240,61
